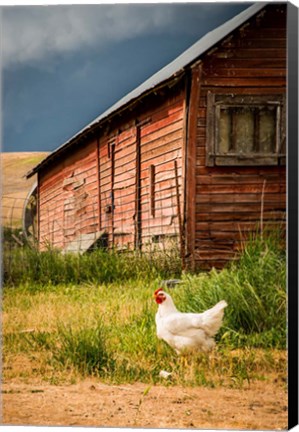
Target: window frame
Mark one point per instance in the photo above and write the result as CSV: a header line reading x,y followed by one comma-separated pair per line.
x,y
216,102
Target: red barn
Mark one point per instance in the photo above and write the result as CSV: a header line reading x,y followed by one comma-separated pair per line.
x,y
192,157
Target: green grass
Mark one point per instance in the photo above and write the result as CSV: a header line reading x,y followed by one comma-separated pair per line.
x,y
255,290
29,266
93,315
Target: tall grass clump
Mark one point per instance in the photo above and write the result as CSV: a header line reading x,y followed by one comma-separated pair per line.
x,y
26,265
83,349
255,290
103,323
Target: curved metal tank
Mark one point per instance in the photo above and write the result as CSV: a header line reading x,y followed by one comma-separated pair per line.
x,y
29,218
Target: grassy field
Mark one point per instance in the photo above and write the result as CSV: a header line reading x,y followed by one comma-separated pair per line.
x,y
80,316
15,187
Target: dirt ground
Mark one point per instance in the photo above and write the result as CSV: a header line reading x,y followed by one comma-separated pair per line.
x,y
261,405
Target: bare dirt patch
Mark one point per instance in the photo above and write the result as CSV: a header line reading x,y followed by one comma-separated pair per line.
x,y
260,405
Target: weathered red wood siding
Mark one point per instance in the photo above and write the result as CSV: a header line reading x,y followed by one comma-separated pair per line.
x,y
124,181
161,143
117,186
252,60
147,137
68,197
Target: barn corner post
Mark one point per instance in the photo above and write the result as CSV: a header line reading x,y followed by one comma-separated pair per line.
x,y
193,95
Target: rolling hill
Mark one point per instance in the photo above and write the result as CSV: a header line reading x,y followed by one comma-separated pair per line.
x,y
15,186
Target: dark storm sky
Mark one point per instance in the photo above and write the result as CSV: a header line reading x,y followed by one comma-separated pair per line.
x,y
62,66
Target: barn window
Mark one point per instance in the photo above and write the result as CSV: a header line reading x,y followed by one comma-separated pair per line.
x,y
245,130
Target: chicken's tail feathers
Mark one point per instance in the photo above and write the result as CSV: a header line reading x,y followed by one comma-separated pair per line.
x,y
212,318
221,304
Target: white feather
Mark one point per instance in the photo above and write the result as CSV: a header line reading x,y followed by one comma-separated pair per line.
x,y
185,331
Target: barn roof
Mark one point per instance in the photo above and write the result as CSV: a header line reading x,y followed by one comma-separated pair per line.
x,y
168,72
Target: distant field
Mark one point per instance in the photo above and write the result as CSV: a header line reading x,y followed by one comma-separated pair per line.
x,y
15,187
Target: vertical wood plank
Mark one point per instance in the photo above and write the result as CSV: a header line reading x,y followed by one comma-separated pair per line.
x,y
99,184
112,151
191,163
138,191
152,189
177,187
184,161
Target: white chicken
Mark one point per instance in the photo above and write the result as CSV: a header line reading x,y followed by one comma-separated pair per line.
x,y
187,331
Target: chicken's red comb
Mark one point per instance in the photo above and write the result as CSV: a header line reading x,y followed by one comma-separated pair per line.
x,y
157,291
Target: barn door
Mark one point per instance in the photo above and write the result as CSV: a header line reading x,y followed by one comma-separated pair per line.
x,y
162,224
124,190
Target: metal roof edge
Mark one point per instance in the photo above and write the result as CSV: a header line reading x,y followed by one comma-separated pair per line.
x,y
179,63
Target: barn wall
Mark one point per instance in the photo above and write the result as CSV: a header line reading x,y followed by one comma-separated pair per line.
x,y
130,179
228,199
117,186
139,159
161,143
68,197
